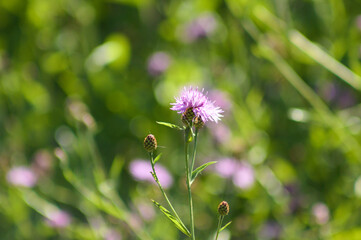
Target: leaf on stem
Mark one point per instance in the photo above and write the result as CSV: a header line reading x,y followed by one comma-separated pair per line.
x,y
170,125
224,227
176,222
200,169
157,158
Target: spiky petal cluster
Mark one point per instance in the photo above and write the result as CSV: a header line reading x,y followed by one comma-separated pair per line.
x,y
223,208
199,102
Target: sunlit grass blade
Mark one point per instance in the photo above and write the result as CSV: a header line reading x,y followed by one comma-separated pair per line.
x,y
116,167
173,219
225,226
323,58
170,125
308,47
200,169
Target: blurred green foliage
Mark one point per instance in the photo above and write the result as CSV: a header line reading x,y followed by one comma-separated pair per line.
x,y
77,84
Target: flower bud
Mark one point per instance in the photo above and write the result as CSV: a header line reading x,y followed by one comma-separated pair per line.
x,y
198,122
188,116
150,143
223,208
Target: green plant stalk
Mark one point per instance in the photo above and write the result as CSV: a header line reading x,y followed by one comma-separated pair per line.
x,y
162,190
186,151
194,150
220,219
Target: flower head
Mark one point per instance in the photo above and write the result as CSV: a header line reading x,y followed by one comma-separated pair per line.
x,y
58,219
113,234
226,167
321,213
150,143
201,27
244,176
223,208
21,176
158,63
200,104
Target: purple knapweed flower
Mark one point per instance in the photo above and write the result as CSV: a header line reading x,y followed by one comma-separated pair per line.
x,y
158,63
199,103
201,27
113,234
321,213
221,133
146,211
241,173
226,167
58,219
42,163
244,176
21,176
270,230
358,22
140,170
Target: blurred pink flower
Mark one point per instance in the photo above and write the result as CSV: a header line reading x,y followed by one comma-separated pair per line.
x,y
358,22
341,97
226,167
241,173
146,211
270,230
21,176
321,213
329,91
220,132
42,163
222,100
244,176
158,63
200,27
58,219
113,235
346,99
140,170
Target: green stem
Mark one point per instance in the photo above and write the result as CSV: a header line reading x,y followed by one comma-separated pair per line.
x,y
220,219
194,150
186,151
162,190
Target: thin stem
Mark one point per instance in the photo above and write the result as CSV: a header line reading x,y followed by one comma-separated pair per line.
x,y
186,151
220,219
162,190
194,150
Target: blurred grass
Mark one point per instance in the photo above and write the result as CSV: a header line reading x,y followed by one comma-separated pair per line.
x,y
74,76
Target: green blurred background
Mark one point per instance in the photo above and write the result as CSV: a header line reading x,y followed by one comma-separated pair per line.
x,y
83,82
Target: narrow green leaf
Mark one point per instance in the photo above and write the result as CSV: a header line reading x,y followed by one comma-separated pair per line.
x,y
200,169
224,227
170,125
116,167
157,158
173,219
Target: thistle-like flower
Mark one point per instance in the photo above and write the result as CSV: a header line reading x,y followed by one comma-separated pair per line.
x,y
200,104
223,208
150,143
